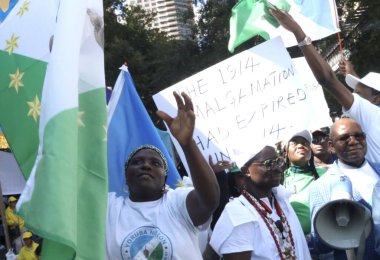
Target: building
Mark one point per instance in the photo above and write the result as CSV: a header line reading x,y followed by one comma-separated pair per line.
x,y
169,17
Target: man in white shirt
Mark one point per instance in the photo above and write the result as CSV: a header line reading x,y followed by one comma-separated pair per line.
x,y
362,105
348,141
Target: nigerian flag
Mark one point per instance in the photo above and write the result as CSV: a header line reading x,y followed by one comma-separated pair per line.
x,y
249,18
53,114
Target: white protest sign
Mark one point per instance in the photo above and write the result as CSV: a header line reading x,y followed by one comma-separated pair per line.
x,y
254,96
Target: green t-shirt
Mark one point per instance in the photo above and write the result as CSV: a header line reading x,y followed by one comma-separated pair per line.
x,y
298,180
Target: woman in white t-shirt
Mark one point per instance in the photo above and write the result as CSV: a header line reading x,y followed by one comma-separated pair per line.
x,y
153,223
260,224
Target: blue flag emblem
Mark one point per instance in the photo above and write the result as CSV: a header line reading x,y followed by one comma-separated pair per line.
x,y
6,7
129,126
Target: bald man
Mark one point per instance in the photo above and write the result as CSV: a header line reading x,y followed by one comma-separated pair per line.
x,y
348,141
362,105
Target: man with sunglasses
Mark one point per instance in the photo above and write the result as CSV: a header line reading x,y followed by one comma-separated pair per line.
x,y
348,141
323,158
362,105
347,137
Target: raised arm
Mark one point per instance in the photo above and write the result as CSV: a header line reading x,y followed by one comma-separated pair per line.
x,y
321,69
346,67
203,200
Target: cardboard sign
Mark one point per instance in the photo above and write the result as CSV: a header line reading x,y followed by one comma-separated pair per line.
x,y
256,96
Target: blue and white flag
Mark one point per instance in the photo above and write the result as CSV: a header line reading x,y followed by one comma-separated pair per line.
x,y
6,7
129,126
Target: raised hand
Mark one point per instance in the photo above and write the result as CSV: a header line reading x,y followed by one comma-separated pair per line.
x,y
285,19
219,166
346,67
182,126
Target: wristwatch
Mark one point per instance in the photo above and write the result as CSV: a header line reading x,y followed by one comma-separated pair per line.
x,y
306,41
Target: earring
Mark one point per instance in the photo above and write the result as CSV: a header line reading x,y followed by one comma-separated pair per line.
x,y
125,188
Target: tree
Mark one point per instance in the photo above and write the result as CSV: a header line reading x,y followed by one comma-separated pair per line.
x,y
154,60
157,62
363,40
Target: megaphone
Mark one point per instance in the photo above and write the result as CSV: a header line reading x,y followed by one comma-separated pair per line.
x,y
343,223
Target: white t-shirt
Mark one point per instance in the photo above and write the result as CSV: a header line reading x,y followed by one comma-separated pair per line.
x,y
241,228
368,116
160,229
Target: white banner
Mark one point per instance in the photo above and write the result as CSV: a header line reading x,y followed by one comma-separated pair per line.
x,y
12,181
256,96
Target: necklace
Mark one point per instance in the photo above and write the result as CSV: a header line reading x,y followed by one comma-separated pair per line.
x,y
279,230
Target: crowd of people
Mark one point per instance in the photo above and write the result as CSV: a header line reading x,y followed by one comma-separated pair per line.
x,y
263,206
24,245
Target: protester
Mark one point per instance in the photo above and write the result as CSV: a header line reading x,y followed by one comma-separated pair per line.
x,y
260,223
15,224
236,181
154,223
299,174
219,168
230,180
27,252
348,141
323,157
39,250
231,184
368,87
355,105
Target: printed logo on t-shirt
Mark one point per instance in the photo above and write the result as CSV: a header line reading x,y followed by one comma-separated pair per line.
x,y
146,242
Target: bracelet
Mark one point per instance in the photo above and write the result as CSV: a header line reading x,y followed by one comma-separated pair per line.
x,y
304,42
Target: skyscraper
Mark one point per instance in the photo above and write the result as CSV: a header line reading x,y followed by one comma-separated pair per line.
x,y
169,17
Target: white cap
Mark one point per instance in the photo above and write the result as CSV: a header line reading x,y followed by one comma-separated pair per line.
x,y
242,156
304,133
371,80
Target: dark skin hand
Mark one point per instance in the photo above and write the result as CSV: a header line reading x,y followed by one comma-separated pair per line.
x,y
204,199
320,68
219,165
346,67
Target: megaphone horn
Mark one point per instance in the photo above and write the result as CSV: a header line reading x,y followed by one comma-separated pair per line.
x,y
341,222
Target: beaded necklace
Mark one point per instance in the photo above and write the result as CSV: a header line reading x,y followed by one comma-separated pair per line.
x,y
279,230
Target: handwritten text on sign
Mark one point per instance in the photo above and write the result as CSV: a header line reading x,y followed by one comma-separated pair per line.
x,y
253,96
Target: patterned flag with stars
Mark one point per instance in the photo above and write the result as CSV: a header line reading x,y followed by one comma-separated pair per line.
x,y
22,74
53,114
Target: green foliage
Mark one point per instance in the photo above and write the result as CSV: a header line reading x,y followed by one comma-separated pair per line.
x,y
157,62
154,60
363,43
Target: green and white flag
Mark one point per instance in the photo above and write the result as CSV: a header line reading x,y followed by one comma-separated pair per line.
x,y
52,83
249,18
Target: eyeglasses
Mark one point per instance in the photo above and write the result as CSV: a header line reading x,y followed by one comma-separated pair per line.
x,y
346,137
320,139
272,163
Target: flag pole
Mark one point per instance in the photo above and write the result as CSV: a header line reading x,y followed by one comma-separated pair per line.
x,y
337,25
5,228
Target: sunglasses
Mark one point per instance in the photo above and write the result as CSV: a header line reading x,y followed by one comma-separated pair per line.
x,y
320,139
346,137
272,163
